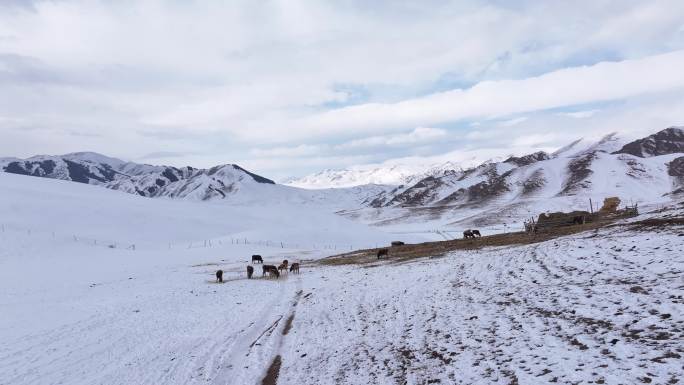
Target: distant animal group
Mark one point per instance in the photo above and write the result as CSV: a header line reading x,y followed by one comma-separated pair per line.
x,y
471,234
273,271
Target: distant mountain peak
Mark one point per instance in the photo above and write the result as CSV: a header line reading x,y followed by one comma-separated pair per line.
x,y
667,141
141,179
528,159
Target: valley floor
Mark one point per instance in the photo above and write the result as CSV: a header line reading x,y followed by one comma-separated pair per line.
x,y
603,306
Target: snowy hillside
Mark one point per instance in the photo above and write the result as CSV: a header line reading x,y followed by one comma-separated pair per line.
x,y
141,179
394,174
516,188
46,206
498,194
81,307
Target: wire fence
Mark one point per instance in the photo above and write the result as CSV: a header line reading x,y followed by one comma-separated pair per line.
x,y
58,236
61,236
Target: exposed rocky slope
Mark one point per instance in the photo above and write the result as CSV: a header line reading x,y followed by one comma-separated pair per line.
x,y
667,141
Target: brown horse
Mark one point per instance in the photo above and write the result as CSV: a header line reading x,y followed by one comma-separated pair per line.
x,y
271,270
219,276
294,268
283,267
250,271
382,252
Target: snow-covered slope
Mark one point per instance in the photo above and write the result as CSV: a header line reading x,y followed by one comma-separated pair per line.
x,y
151,181
497,193
598,307
393,174
85,211
519,187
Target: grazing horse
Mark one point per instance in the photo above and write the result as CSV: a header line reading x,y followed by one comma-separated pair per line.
x,y
286,263
382,252
271,270
294,268
250,271
219,276
257,259
468,234
282,267
477,233
578,220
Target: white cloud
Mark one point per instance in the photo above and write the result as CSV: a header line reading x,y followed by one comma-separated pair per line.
x,y
258,81
419,135
580,85
512,122
301,150
579,114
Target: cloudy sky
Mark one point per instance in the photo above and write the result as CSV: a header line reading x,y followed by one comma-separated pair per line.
x,y
290,87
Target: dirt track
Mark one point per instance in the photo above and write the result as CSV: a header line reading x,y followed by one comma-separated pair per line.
x,y
438,248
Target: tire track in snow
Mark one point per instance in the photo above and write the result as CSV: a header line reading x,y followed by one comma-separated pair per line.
x,y
243,361
273,371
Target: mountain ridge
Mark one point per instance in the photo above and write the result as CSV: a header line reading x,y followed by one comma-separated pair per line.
x,y
142,179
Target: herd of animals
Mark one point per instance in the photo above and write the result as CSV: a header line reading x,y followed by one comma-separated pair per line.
x,y
273,271
466,235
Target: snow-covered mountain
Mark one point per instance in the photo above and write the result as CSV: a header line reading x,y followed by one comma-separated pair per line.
x,y
393,174
647,170
146,180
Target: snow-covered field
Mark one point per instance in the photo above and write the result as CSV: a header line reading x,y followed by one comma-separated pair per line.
x,y
601,307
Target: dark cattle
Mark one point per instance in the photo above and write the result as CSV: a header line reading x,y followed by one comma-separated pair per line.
x,y
294,268
578,220
477,233
271,270
268,269
382,252
468,234
219,276
398,243
257,259
250,271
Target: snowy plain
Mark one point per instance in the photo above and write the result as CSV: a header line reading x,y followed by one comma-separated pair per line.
x,y
596,307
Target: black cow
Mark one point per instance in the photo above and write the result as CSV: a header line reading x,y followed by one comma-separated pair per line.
x,y
257,259
477,233
219,276
250,271
468,234
382,252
